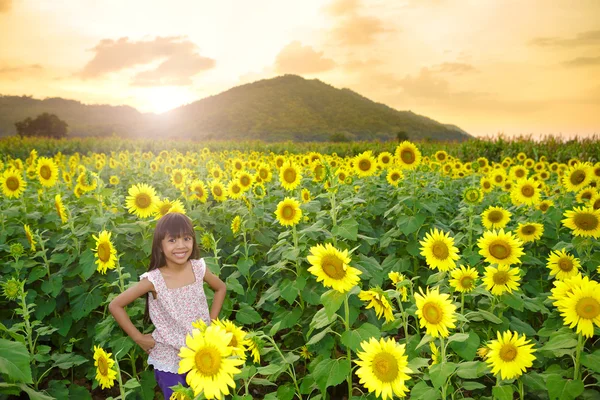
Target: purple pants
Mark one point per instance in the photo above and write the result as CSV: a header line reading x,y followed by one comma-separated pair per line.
x,y
167,379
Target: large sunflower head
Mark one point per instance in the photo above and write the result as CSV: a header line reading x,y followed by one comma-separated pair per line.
x,y
385,159
501,279
464,280
495,218
577,177
383,367
544,205
379,301
13,184
288,212
142,200
435,311
104,252
510,355
394,176
105,374
526,191
165,206
207,360
581,307
439,250
563,265
245,180
238,337
47,171
583,221
530,231
365,164
408,156
218,191
330,265
198,191
499,247
290,175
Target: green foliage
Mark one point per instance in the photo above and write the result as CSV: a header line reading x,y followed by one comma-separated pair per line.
x,y
45,125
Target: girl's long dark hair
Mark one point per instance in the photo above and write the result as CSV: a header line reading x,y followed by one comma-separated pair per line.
x,y
176,225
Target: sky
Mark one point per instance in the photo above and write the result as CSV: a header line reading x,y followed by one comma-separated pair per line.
x,y
526,67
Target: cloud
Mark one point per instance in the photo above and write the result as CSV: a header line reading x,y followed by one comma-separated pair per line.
x,y
178,59
19,69
454,68
582,39
340,8
297,59
5,5
425,84
583,62
355,30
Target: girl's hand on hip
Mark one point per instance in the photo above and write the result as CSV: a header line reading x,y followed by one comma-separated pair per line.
x,y
146,342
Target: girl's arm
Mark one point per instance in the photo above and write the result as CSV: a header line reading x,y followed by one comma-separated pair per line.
x,y
117,309
218,286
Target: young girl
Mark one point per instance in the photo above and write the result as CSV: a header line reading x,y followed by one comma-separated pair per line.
x,y
174,285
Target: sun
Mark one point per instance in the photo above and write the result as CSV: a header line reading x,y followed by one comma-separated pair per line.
x,y
162,99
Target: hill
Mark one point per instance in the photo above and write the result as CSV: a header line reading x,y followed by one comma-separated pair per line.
x,y
288,107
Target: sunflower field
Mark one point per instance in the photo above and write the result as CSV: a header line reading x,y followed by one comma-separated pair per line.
x,y
365,272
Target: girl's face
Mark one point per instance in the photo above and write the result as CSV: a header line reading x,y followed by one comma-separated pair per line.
x,y
177,249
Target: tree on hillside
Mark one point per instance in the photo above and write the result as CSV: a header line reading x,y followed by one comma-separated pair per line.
x,y
43,125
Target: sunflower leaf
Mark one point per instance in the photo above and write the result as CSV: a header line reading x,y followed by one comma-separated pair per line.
x,y
354,338
439,373
592,361
503,392
422,391
14,361
348,229
332,301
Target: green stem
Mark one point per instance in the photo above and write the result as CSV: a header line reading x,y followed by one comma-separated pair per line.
x,y
462,309
580,343
348,351
404,317
521,391
132,359
443,350
333,215
290,367
120,379
121,280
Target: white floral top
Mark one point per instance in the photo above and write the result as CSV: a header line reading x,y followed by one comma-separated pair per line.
x,y
172,314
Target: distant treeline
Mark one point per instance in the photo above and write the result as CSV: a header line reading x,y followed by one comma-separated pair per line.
x,y
496,149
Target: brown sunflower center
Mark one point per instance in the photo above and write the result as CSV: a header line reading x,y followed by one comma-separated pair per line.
x,y
544,207
519,173
333,267
440,250
565,264
586,221
596,204
104,251
385,159
508,352
501,277
245,180
13,183
466,282
385,367
577,177
263,173
487,185
364,164
143,200
288,212
103,365
199,191
498,178
395,177
208,361
218,191
500,250
472,195
432,313
527,191
178,178
165,208
528,230
586,195
289,175
495,216
238,165
588,308
408,156
45,172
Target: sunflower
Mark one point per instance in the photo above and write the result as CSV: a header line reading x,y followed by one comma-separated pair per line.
x,y
525,191
495,218
87,181
288,212
12,288
509,355
318,171
165,206
254,344
563,265
581,307
245,180
378,300
435,353
586,194
305,195
435,311
105,252
500,248
394,175
365,164
439,250
237,164
384,159
304,353
60,209
583,221
530,231
142,200
198,191
114,180
486,185
595,202
463,279
383,367
501,279
47,171
342,174
544,205
218,191
259,190
290,175
103,362
407,155
498,177
472,195
578,177
207,358
236,223
13,184
30,237
238,338
330,265
441,156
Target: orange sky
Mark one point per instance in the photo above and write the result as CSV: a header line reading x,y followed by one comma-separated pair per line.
x,y
518,67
